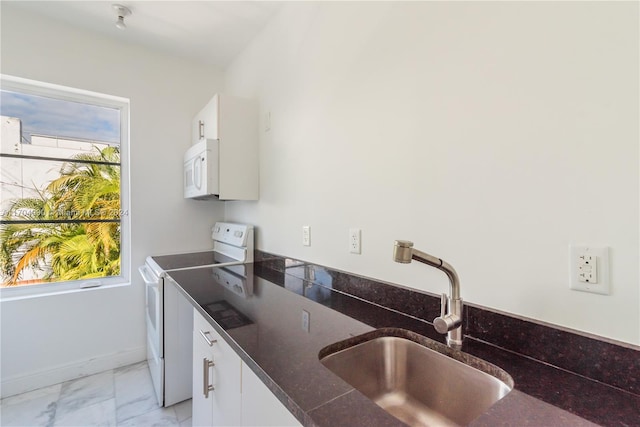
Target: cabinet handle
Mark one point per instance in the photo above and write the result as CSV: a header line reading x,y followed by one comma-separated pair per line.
x,y
206,338
201,129
206,387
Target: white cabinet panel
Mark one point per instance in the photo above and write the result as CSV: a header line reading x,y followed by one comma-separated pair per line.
x,y
178,317
260,407
233,121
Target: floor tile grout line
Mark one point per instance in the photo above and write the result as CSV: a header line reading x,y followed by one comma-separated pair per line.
x,y
57,399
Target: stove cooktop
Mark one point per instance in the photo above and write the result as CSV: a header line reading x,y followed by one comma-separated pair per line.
x,y
193,259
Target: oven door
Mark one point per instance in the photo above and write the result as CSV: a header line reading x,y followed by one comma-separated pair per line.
x,y
153,308
156,369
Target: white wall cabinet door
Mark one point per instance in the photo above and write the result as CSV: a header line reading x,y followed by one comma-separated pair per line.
x,y
205,123
216,378
260,407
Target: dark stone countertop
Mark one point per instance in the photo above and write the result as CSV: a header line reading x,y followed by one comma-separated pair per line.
x,y
265,328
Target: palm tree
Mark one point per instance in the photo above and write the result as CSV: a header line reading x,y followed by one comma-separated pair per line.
x,y
88,190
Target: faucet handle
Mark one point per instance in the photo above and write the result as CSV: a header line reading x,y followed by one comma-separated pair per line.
x,y
446,322
443,305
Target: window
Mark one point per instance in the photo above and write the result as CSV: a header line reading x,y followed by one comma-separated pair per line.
x,y
64,188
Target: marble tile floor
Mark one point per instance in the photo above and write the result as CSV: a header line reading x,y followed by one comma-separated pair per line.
x,y
118,397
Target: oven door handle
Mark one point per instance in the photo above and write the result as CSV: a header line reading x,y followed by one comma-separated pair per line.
x,y
148,277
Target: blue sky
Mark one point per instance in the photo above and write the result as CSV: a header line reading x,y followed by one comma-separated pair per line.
x,y
55,117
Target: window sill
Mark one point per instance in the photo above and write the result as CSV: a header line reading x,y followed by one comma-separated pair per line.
x,y
28,292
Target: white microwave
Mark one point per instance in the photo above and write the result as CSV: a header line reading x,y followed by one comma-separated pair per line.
x,y
201,170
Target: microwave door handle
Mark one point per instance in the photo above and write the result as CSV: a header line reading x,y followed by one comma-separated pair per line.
x,y
197,175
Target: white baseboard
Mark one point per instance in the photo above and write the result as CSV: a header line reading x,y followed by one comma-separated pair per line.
x,y
61,373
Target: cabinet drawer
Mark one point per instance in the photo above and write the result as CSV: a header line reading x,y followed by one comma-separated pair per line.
x,y
205,331
206,334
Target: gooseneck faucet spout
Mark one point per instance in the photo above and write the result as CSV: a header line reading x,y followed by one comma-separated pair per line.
x,y
450,320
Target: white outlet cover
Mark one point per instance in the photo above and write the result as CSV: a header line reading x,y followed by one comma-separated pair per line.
x,y
355,240
602,286
306,235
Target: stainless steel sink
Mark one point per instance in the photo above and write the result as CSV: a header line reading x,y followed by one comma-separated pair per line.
x,y
417,380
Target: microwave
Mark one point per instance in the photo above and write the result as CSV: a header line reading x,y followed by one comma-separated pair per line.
x,y
201,170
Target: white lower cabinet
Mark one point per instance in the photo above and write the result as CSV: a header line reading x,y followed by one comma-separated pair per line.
x,y
216,378
226,392
260,407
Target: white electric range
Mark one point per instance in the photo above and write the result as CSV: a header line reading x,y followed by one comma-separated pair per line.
x,y
169,316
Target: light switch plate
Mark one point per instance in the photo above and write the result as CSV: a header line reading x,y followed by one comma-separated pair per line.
x,y
589,269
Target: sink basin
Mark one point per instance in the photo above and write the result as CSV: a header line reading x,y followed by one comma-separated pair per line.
x,y
419,381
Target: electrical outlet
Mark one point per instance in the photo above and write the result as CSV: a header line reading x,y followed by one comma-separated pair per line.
x,y
306,235
355,238
589,269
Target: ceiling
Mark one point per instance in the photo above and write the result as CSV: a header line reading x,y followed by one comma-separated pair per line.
x,y
212,32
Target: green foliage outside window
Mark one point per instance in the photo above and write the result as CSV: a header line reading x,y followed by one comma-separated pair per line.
x,y
72,230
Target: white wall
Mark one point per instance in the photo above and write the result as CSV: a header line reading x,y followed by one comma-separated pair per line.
x,y
50,339
493,135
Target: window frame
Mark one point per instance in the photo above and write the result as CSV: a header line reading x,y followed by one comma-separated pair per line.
x,y
50,90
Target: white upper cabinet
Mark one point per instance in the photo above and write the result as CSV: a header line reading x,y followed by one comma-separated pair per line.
x,y
233,122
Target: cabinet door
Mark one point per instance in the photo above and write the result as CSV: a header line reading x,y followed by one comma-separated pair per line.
x,y
260,407
222,374
202,412
205,124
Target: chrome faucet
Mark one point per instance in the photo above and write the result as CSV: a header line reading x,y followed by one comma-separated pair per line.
x,y
450,320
